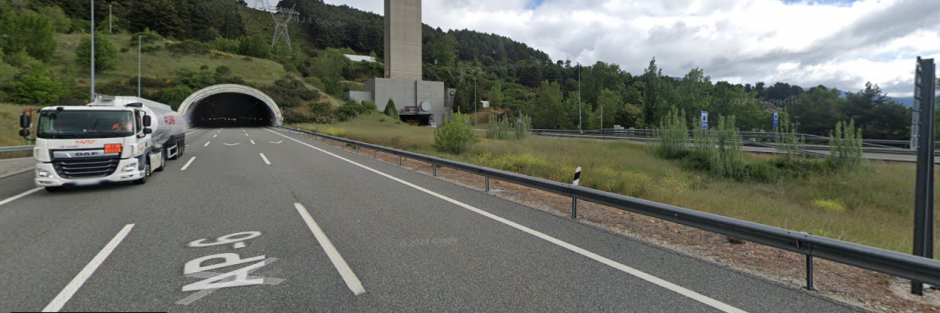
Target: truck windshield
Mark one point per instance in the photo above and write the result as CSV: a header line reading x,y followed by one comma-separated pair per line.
x,y
85,124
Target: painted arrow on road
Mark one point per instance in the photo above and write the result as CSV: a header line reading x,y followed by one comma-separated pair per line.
x,y
235,144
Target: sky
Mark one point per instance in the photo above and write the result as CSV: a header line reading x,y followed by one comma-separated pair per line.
x,y
836,43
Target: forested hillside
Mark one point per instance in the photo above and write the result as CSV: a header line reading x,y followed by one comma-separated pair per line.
x,y
514,77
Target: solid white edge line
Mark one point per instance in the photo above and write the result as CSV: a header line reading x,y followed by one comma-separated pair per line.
x,y
344,270
188,163
265,159
603,260
252,141
59,301
14,198
207,144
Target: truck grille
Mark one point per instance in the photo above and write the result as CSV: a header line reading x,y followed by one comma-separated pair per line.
x,y
85,168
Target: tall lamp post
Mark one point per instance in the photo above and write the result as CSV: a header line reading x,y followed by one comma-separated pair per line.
x,y
92,50
579,98
139,58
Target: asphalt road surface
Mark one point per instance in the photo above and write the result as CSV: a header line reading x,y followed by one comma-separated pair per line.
x,y
263,220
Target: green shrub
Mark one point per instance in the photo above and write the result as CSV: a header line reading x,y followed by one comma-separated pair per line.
x,y
175,96
454,136
390,109
522,127
188,47
36,87
788,141
845,147
149,36
289,92
223,70
498,129
672,137
105,54
729,159
369,105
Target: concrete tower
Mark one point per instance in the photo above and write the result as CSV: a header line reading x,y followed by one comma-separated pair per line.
x,y
403,39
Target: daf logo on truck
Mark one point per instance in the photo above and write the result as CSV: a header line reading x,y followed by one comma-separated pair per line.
x,y
111,140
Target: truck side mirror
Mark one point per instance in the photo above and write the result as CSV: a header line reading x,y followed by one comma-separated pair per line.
x,y
24,121
24,132
147,121
148,131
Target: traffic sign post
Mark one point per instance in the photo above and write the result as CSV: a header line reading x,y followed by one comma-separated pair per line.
x,y
776,121
704,119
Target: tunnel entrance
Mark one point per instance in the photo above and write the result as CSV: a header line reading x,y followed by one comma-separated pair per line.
x,y
230,105
231,110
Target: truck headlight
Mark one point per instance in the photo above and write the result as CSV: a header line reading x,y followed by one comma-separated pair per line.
x,y
43,174
130,167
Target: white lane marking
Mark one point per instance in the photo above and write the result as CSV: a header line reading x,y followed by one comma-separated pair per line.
x,y
277,143
246,134
591,255
234,144
192,132
252,141
86,272
213,136
351,280
188,163
265,159
207,144
14,198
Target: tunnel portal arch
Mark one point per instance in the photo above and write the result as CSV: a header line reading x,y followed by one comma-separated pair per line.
x,y
189,106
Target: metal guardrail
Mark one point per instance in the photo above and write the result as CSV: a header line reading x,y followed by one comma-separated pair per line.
x,y
16,149
641,135
875,259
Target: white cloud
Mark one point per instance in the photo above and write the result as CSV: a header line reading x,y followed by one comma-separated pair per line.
x,y
807,43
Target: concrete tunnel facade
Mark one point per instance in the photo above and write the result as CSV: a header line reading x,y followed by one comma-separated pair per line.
x,y
230,105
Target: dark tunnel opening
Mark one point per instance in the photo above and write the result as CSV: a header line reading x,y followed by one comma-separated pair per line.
x,y
231,110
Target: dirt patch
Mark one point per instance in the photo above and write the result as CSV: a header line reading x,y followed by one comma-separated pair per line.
x,y
854,286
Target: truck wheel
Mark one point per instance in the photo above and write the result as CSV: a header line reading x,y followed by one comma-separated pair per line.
x,y
162,163
147,172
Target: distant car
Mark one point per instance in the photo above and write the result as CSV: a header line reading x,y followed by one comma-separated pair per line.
x,y
433,125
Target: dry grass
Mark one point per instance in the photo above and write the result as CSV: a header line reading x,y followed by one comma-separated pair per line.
x,y
874,205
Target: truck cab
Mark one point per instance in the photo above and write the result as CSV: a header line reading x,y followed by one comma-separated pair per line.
x,y
107,141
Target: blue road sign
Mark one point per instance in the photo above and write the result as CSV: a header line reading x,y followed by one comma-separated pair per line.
x,y
518,121
776,119
704,119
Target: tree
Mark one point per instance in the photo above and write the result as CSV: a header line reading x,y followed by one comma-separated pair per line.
x,y
254,46
455,136
60,21
175,96
36,87
549,109
27,31
105,53
496,96
611,104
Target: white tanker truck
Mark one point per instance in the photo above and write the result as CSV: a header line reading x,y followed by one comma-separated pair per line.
x,y
113,139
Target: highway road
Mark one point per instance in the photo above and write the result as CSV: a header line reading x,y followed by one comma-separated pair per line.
x,y
264,220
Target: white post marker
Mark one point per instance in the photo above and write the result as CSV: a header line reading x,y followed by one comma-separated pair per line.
x,y
86,272
577,176
574,201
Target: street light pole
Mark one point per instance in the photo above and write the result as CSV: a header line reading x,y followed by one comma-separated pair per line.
x,y
110,20
579,98
475,101
139,58
92,50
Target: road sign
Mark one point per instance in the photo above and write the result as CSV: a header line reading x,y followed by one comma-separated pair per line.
x,y
518,121
776,119
704,119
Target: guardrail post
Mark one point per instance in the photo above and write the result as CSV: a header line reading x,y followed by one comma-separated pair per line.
x,y
487,184
399,160
375,154
357,149
809,271
434,169
574,207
